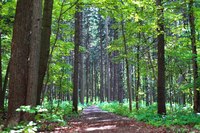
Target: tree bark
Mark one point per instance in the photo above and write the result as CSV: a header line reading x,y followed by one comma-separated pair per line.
x,y
138,79
120,83
33,64
194,58
127,67
101,65
1,89
161,60
19,60
45,45
77,41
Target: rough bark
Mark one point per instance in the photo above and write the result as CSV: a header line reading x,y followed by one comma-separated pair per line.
x,y
45,45
161,60
19,60
33,64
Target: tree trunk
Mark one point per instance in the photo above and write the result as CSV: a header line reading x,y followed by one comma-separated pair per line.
x,y
127,68
194,58
161,60
87,77
120,83
1,89
45,45
138,78
19,60
101,65
3,93
77,40
81,79
33,64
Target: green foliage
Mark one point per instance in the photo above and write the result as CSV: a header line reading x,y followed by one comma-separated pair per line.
x,y
179,116
47,117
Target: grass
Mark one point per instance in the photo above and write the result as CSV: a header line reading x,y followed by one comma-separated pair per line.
x,y
148,114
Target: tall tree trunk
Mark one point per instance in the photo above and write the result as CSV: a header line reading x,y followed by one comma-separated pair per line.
x,y
194,58
1,89
127,67
92,84
3,93
115,74
45,45
138,78
33,63
95,86
101,65
87,77
120,83
19,60
77,40
161,60
81,78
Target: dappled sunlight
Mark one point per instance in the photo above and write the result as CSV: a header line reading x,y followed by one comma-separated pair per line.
x,y
95,120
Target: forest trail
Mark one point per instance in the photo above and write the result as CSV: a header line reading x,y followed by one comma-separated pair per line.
x,y
94,120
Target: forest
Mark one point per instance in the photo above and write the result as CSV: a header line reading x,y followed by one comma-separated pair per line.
x,y
100,66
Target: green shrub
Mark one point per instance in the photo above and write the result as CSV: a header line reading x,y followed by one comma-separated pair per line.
x,y
180,116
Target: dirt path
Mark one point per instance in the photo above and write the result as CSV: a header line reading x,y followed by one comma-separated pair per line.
x,y
94,120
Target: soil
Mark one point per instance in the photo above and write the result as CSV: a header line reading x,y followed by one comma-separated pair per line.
x,y
94,120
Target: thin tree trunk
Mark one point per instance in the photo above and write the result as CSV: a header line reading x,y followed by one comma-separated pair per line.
x,y
120,83
138,79
127,68
101,65
45,45
1,89
161,60
77,40
81,79
194,58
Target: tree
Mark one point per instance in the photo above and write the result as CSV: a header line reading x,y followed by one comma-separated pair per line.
x,y
23,76
19,60
77,41
127,67
161,59
194,58
34,51
45,45
2,92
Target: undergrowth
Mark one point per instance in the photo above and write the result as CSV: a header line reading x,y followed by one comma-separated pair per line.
x,y
47,118
177,117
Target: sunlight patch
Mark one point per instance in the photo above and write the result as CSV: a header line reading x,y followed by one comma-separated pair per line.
x,y
92,118
101,128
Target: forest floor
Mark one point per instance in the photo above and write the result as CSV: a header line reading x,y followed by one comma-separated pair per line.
x,y
94,120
